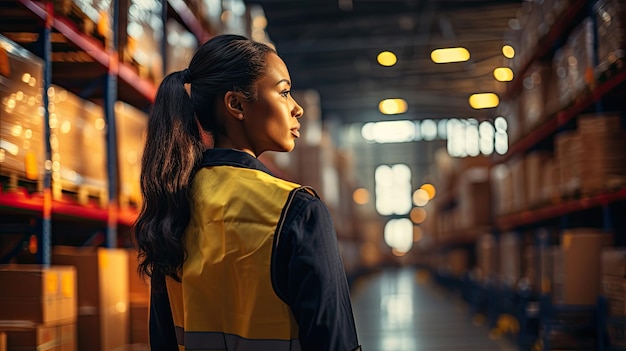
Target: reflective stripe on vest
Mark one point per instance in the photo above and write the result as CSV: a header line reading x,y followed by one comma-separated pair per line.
x,y
195,341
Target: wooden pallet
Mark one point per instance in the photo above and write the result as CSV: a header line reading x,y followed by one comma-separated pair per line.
x,y
83,194
12,180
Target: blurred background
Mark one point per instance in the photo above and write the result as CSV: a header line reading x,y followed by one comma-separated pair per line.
x,y
471,152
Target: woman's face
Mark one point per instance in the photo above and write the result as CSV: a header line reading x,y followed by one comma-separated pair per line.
x,y
271,121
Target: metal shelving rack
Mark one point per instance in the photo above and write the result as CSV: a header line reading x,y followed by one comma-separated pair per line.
x,y
108,75
548,314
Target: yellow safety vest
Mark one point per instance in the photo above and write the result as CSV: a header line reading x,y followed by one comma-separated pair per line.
x,y
226,300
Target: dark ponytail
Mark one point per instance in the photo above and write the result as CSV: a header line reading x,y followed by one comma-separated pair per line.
x,y
173,143
172,152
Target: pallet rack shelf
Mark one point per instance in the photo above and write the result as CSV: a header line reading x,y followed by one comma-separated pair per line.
x,y
99,76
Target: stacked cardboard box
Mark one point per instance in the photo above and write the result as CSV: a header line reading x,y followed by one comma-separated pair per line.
x,y
610,16
537,96
603,159
131,125
142,29
560,65
487,257
474,197
102,295
536,163
577,266
78,141
181,45
21,112
457,262
550,189
567,148
139,302
518,180
501,188
580,67
530,269
614,289
576,282
39,310
510,259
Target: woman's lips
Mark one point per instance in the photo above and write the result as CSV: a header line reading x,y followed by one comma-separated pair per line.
x,y
296,131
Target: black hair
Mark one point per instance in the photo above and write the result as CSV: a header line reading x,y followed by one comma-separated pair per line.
x,y
173,148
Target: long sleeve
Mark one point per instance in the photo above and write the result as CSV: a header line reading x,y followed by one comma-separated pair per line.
x,y
161,325
310,277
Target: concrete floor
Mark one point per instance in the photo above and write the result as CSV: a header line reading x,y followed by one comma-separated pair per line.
x,y
402,310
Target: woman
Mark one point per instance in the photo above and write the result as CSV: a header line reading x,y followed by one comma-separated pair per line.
x,y
238,259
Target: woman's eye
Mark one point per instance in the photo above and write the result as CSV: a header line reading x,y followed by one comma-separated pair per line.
x,y
285,93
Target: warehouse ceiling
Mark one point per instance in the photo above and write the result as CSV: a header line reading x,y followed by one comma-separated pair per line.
x,y
331,46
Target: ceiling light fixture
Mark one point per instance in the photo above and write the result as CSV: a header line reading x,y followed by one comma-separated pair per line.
x,y
392,106
484,100
450,55
503,74
387,58
508,51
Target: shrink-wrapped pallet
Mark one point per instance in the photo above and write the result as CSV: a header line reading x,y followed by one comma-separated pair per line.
x,y
131,126
142,31
21,112
610,16
78,141
181,45
580,61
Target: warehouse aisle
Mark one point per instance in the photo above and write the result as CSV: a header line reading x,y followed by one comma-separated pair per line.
x,y
396,311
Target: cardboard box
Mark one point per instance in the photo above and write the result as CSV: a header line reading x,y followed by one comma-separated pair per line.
x,y
138,287
139,313
78,140
577,266
474,198
614,262
37,294
38,337
535,163
487,256
510,259
530,270
519,200
567,153
131,125
614,289
103,315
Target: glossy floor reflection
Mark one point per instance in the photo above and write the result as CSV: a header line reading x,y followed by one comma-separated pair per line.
x,y
395,310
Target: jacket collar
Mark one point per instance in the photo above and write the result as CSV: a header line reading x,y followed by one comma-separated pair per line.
x,y
232,157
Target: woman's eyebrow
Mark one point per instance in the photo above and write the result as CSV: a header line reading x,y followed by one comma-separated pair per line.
x,y
284,80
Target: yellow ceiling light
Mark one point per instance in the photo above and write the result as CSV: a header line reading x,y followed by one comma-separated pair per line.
x,y
392,106
503,74
508,51
387,58
484,100
450,55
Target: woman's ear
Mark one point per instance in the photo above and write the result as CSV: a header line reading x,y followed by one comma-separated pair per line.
x,y
234,106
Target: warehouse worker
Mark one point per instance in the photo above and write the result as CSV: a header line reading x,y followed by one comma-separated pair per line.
x,y
238,259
